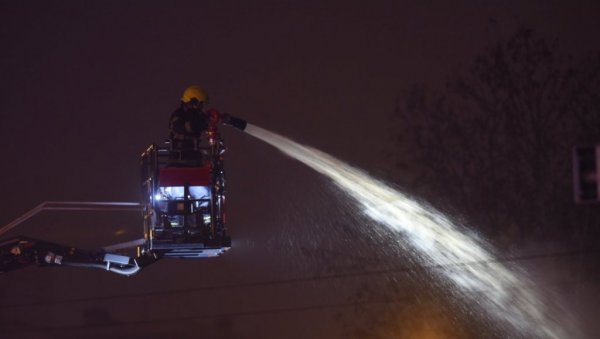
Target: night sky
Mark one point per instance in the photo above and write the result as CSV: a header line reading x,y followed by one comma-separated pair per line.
x,y
86,86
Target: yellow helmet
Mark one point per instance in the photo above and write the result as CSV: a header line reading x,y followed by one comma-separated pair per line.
x,y
194,92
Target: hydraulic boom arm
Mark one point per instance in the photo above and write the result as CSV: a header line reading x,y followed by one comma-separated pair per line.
x,y
20,252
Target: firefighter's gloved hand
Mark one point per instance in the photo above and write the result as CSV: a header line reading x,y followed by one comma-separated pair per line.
x,y
225,118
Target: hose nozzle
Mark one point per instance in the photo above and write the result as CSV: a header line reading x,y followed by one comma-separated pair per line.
x,y
234,122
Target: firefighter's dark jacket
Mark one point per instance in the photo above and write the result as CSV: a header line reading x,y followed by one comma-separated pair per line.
x,y
188,124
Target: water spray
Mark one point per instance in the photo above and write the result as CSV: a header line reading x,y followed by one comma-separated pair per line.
x,y
436,241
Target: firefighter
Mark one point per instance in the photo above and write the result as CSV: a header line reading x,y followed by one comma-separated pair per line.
x,y
191,120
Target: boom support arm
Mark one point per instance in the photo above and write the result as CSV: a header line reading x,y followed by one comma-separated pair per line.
x,y
21,252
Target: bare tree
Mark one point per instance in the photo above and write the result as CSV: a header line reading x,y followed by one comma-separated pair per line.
x,y
499,138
